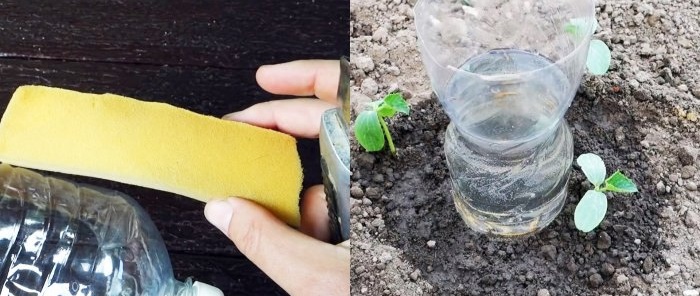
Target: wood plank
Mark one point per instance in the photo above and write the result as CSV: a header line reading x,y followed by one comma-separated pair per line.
x,y
217,33
212,91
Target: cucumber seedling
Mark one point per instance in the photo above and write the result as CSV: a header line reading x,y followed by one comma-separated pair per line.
x,y
599,57
591,209
370,125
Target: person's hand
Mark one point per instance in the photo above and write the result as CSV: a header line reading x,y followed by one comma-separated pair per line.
x,y
302,263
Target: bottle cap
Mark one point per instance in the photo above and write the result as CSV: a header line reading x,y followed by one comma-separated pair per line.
x,y
202,289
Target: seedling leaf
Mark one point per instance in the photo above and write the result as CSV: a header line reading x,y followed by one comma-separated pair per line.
x,y
397,102
590,211
599,57
368,131
593,167
385,110
577,27
620,183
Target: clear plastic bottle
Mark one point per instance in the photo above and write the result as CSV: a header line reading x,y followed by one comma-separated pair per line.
x,y
505,73
508,152
57,238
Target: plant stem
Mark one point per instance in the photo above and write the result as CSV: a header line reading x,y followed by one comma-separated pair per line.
x,y
388,135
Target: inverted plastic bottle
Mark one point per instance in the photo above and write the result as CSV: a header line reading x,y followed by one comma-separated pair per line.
x,y
505,73
58,238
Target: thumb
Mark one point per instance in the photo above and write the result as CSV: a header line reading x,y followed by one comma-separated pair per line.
x,y
298,263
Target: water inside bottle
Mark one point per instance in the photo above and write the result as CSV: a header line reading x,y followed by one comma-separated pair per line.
x,y
504,102
508,150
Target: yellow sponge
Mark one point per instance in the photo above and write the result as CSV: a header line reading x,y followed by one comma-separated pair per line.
x,y
152,145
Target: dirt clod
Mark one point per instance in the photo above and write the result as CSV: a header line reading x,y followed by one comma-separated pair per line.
x,y
604,241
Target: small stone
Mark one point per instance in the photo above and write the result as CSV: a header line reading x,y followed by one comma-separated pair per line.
x,y
648,265
431,244
550,252
687,155
356,192
696,92
366,159
366,201
415,274
621,279
673,178
364,63
393,70
637,241
604,241
360,269
385,257
372,192
660,187
691,293
642,76
691,186
692,219
619,134
359,101
675,268
691,116
369,87
543,292
607,269
381,34
378,222
688,171
595,280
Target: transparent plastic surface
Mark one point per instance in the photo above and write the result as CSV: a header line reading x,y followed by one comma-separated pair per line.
x,y
57,238
506,71
515,193
504,51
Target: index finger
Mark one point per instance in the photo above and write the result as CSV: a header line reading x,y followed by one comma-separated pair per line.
x,y
302,78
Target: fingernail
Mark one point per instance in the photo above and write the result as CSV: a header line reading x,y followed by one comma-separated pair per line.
x,y
218,213
231,116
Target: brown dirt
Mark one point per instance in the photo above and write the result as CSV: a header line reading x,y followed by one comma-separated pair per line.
x,y
640,118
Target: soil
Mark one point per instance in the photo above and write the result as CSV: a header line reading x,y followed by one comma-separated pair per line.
x,y
641,118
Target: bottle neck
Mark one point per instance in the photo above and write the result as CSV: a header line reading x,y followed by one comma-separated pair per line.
x,y
188,288
182,288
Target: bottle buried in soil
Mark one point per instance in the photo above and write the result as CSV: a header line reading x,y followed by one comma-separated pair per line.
x,y
509,155
505,72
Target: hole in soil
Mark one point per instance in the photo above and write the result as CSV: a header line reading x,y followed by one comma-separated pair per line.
x,y
419,208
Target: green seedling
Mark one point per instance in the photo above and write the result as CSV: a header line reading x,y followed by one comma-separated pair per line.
x,y
370,125
590,211
599,56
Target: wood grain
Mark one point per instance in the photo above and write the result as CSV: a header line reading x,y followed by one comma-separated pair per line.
x,y
217,33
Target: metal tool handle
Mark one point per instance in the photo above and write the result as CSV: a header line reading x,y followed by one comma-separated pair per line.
x,y
335,159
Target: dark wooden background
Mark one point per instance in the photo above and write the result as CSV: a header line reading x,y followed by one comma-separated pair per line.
x,y
200,55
